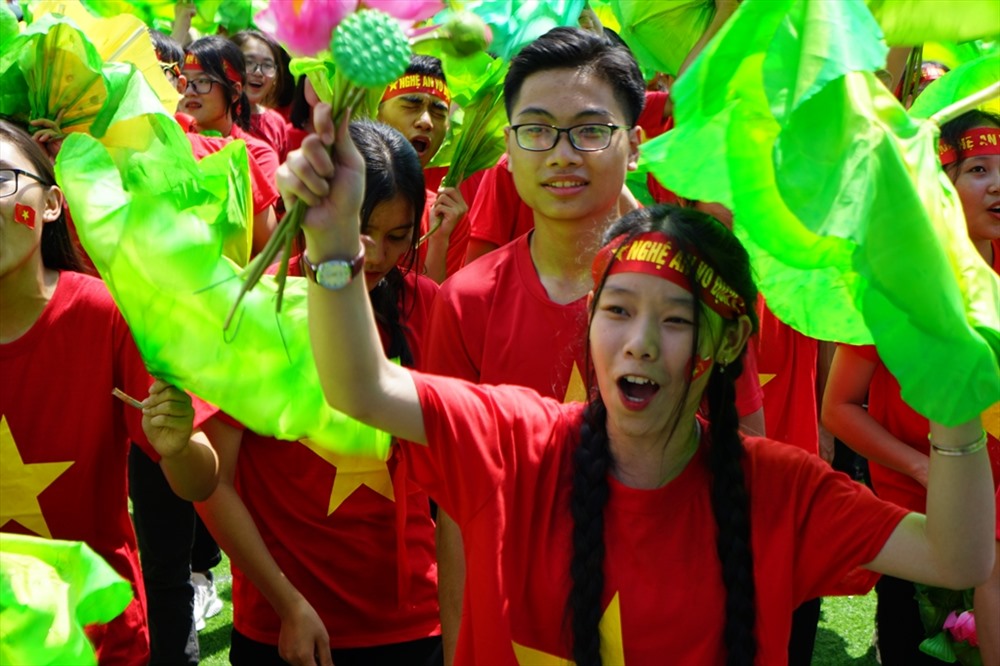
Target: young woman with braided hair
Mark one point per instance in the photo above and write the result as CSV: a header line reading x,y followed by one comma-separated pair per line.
x,y
689,542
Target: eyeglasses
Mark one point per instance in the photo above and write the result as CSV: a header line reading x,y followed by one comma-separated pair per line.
x,y
8,180
588,138
267,68
201,86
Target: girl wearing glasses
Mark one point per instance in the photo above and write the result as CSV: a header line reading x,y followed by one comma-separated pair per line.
x,y
269,87
215,98
64,437
629,529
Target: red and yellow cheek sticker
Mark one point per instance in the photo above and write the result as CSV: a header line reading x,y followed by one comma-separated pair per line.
x,y
24,215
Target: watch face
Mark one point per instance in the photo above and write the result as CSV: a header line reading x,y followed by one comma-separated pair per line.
x,y
334,274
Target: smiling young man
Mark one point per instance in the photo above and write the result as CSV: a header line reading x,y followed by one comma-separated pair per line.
x,y
518,315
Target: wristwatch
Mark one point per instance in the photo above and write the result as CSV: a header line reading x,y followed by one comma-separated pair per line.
x,y
334,274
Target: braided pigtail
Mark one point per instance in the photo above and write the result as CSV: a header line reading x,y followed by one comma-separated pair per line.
x,y
731,506
591,462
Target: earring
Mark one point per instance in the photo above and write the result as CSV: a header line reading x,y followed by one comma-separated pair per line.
x,y
722,366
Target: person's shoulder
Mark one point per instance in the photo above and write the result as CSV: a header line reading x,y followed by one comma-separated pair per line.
x,y
85,286
482,276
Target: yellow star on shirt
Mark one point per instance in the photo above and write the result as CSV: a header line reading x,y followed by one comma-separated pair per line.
x,y
352,473
991,420
765,378
612,650
21,484
576,391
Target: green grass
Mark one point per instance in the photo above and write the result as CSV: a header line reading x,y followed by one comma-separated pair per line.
x,y
844,637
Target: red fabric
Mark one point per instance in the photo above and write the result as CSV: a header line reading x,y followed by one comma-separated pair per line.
x,y
749,395
652,120
263,188
786,365
497,215
494,323
264,155
273,130
56,399
369,568
886,405
295,138
499,462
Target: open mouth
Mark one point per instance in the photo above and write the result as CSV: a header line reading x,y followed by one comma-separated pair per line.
x,y
420,144
636,389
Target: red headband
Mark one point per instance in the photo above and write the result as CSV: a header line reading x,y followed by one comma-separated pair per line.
x,y
974,143
408,84
192,63
655,253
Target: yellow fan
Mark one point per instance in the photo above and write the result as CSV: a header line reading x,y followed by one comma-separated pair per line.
x,y
123,38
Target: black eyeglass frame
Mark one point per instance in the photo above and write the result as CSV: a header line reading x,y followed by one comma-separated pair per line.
x,y
254,66
211,83
17,184
569,134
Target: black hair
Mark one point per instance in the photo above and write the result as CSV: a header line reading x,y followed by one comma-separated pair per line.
x,y
698,233
167,49
426,65
300,112
284,83
953,130
391,168
212,52
58,251
575,48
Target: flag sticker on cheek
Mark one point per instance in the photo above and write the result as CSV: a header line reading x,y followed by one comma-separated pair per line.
x,y
701,365
24,215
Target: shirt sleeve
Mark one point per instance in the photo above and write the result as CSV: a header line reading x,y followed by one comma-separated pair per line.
x,y
494,209
840,524
480,438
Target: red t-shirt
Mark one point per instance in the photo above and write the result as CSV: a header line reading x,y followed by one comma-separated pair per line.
x,y
271,128
886,405
500,462
354,535
494,323
65,440
264,155
497,214
263,188
786,365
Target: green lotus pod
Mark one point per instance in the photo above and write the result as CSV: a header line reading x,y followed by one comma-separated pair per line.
x,y
370,49
469,33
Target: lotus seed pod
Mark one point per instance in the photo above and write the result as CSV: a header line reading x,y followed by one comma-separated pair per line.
x,y
370,49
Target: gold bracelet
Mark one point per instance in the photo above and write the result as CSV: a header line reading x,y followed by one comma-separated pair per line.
x,y
970,448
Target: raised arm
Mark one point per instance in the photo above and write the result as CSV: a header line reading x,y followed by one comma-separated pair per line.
x,y
356,377
953,545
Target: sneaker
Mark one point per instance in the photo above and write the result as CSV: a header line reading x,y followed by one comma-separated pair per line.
x,y
206,602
